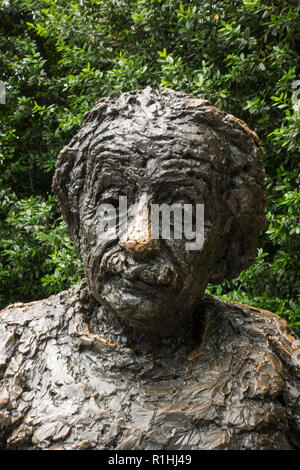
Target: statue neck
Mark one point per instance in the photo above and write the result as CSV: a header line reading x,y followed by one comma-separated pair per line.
x,y
100,321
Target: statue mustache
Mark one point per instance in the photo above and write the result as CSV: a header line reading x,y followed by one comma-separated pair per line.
x,y
117,261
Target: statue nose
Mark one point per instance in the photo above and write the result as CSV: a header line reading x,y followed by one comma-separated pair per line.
x,y
141,247
137,239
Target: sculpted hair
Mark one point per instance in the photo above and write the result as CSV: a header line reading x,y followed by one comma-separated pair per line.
x,y
237,192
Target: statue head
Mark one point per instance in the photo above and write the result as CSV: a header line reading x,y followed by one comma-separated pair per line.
x,y
160,147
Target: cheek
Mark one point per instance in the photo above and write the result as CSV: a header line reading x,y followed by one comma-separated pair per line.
x,y
93,240
91,257
187,260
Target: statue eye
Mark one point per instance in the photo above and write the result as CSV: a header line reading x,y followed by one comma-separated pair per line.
x,y
110,200
182,200
110,197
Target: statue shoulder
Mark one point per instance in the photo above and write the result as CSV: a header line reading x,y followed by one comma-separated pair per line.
x,y
266,350
26,330
243,324
24,325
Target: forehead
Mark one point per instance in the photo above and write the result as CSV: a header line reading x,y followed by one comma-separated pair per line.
x,y
158,154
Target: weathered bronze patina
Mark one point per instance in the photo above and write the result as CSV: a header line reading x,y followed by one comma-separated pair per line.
x,y
136,356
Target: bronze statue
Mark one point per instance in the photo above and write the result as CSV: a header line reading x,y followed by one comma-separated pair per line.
x,y
136,356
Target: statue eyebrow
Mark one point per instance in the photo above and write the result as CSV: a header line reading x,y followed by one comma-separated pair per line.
x,y
111,188
169,183
170,178
107,181
177,188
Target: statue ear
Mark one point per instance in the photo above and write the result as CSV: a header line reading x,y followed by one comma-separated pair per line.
x,y
243,202
67,185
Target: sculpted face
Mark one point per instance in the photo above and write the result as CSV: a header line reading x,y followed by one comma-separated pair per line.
x,y
149,283
160,147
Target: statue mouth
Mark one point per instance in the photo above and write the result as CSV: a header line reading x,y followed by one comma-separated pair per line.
x,y
152,273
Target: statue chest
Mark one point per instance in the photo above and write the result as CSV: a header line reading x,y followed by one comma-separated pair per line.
x,y
80,401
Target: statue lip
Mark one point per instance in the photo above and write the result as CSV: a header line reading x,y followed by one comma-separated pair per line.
x,y
137,283
141,276
144,276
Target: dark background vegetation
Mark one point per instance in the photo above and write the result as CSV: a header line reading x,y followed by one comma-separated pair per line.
x,y
57,58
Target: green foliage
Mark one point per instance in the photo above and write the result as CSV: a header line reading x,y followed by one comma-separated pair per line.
x,y
58,58
37,257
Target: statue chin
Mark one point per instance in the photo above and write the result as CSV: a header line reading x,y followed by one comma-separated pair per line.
x,y
140,305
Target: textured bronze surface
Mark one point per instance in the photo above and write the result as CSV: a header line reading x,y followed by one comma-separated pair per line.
x,y
137,356
230,385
